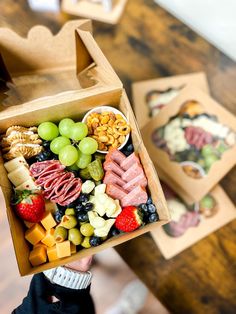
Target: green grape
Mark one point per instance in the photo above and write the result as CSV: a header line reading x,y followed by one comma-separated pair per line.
x,y
207,150
209,160
48,131
68,155
65,126
78,131
88,145
73,167
83,160
58,143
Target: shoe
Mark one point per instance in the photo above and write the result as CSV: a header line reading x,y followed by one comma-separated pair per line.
x,y
131,300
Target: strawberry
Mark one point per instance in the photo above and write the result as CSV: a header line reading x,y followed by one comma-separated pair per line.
x,y
29,206
129,219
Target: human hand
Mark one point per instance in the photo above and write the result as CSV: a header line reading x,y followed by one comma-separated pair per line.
x,y
81,265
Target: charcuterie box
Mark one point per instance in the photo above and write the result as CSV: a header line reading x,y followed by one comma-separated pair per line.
x,y
193,143
49,78
192,223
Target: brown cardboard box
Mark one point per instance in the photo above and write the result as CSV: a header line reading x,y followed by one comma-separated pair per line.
x,y
194,188
142,89
95,11
43,60
224,212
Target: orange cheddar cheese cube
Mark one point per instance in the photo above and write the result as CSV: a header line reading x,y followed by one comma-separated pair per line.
x,y
48,221
35,234
29,224
38,256
52,253
72,248
49,240
50,206
40,244
63,249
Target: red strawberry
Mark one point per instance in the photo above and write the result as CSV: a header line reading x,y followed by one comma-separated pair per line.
x,y
129,219
29,206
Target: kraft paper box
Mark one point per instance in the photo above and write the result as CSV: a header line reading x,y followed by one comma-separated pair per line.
x,y
193,139
51,78
108,12
190,224
151,96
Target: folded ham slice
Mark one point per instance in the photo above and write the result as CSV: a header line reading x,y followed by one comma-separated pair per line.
x,y
125,178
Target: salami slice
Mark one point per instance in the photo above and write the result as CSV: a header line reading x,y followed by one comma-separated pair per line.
x,y
38,167
50,181
58,183
60,187
72,192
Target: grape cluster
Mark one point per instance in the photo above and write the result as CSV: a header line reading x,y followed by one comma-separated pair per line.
x,y
69,142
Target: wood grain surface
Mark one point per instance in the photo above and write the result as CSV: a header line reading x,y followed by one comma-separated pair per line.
x,y
150,43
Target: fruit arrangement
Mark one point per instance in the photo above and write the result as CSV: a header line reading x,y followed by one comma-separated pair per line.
x,y
70,196
194,138
184,216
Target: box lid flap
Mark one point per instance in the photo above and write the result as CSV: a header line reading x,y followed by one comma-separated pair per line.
x,y
44,64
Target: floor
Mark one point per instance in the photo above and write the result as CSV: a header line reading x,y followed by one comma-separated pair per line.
x,y
212,19
110,275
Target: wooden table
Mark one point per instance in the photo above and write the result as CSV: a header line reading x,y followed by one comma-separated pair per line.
x,y
149,43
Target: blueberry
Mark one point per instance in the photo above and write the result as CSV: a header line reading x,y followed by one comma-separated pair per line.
x,y
45,155
114,232
95,241
84,198
151,208
58,216
130,148
71,205
126,153
79,207
46,145
143,207
149,200
61,209
153,217
88,206
82,216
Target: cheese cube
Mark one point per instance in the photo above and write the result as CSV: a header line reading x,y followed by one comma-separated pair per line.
x,y
19,175
49,238
50,206
35,234
52,253
48,221
27,185
73,248
40,245
63,249
38,256
15,163
29,224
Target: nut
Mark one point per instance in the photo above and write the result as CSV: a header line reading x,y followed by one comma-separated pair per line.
x,y
108,129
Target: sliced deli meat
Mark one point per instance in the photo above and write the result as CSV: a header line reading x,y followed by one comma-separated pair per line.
x,y
111,177
132,172
113,166
139,180
125,178
115,191
129,161
116,156
43,168
136,197
59,185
